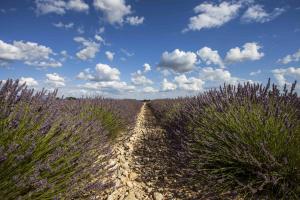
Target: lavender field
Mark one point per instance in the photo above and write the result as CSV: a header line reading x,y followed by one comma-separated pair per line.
x,y
236,142
149,100
52,148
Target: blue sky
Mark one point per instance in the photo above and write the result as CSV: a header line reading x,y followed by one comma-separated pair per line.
x,y
148,49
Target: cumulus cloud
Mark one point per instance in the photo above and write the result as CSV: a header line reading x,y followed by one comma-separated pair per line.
x,y
44,64
100,30
30,53
30,82
150,90
89,50
77,5
110,55
190,84
102,72
138,78
219,76
104,79
62,25
178,61
147,67
211,16
290,58
250,51
135,20
55,80
64,55
210,56
255,73
109,86
168,86
257,13
114,10
282,74
59,6
99,38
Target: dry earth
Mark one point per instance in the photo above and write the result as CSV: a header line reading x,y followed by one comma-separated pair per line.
x,y
145,166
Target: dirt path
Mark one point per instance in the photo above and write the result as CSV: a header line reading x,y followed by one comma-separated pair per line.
x,y
129,185
146,167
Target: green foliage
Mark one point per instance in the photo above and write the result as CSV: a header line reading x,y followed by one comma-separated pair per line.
x,y
244,149
109,120
239,141
55,148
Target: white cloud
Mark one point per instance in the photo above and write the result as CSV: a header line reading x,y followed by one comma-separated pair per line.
x,y
147,67
50,6
281,75
211,16
210,56
64,55
55,80
102,72
219,76
256,13
77,5
109,86
105,79
99,38
100,30
30,82
138,79
135,20
107,73
250,51
168,86
29,52
90,48
190,84
127,53
255,73
80,30
150,90
62,25
178,61
44,64
9,52
110,55
59,6
114,10
86,75
290,58
165,72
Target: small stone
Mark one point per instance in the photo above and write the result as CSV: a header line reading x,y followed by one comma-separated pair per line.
x,y
125,173
158,196
129,184
139,195
149,190
133,176
130,196
123,179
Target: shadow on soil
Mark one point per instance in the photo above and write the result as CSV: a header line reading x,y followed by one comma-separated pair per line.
x,y
159,165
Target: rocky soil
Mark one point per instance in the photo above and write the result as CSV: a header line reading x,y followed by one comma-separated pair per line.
x,y
145,167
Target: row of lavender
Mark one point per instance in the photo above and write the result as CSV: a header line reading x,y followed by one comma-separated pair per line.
x,y
238,140
57,148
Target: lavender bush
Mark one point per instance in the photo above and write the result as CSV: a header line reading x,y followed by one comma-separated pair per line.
x,y
55,148
239,140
